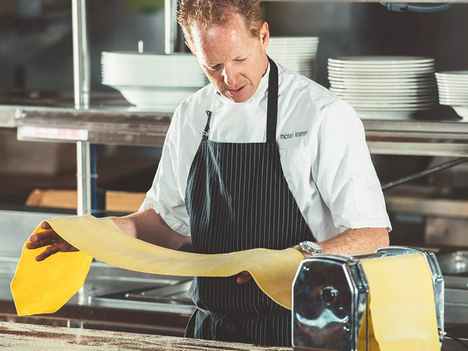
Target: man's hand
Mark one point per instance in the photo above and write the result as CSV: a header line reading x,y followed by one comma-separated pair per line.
x,y
48,237
243,278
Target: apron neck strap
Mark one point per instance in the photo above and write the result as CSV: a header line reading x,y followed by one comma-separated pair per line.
x,y
272,107
207,126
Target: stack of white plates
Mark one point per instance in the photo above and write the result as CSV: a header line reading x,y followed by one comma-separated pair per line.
x,y
453,91
295,53
152,81
386,87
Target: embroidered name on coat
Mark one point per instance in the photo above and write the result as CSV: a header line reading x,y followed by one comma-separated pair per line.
x,y
293,135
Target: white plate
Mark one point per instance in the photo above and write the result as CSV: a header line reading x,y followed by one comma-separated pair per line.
x,y
461,95
463,78
390,106
458,87
394,115
148,97
388,100
129,68
429,69
457,84
381,105
456,92
381,83
372,96
453,98
383,72
379,67
356,86
423,72
396,91
141,77
386,75
447,84
381,60
453,102
446,101
452,81
459,73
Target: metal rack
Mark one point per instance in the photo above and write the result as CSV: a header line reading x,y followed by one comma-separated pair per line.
x,y
132,127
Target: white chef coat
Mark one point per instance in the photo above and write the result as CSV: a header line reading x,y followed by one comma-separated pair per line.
x,y
323,152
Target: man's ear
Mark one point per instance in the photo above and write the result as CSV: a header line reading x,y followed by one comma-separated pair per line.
x,y
265,34
188,41
190,46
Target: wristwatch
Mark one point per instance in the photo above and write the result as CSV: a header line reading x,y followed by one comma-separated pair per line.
x,y
308,248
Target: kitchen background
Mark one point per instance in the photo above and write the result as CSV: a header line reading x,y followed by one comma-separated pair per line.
x,y
37,68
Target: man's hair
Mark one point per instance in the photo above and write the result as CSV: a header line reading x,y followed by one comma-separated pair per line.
x,y
209,12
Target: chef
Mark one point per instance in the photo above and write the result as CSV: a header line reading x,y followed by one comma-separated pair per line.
x,y
261,157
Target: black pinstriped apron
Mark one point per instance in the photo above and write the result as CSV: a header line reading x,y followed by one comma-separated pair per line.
x,y
238,199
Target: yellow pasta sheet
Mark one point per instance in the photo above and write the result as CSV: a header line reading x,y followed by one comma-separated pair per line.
x,y
44,287
401,310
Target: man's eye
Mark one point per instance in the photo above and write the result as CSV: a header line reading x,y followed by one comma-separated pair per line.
x,y
216,68
240,59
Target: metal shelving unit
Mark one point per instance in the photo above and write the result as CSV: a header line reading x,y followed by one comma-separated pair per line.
x,y
131,127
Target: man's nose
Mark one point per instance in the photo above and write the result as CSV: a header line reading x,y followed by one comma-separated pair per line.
x,y
230,76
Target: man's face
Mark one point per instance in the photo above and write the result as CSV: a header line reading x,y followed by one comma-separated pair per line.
x,y
232,59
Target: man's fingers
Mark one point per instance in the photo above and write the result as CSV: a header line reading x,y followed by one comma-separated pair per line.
x,y
43,235
45,225
44,238
47,252
66,247
243,277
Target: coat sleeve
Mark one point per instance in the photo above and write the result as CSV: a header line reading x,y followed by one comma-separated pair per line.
x,y
344,173
164,195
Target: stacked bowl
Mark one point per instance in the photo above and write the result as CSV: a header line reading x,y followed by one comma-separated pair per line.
x,y
295,53
453,91
152,81
384,87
